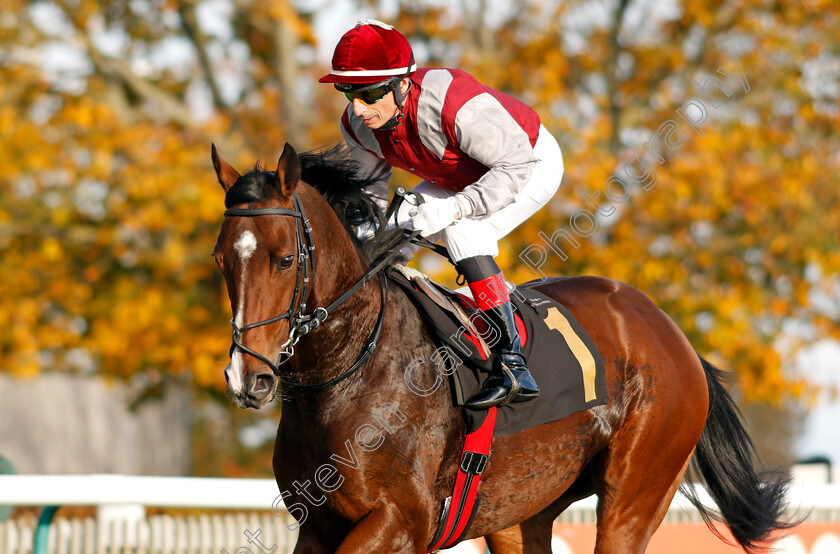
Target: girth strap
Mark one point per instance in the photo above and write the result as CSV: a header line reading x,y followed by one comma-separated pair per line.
x,y
460,508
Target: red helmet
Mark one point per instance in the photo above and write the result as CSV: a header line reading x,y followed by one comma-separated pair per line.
x,y
370,52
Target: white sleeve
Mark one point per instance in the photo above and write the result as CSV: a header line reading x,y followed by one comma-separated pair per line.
x,y
370,167
487,133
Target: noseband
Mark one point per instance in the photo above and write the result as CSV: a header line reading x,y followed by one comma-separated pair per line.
x,y
300,322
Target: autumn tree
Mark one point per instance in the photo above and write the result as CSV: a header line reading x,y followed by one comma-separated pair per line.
x,y
109,210
700,151
108,202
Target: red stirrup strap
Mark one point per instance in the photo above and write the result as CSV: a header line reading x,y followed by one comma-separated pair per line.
x,y
458,509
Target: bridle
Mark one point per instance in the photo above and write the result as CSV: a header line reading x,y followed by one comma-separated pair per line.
x,y
301,322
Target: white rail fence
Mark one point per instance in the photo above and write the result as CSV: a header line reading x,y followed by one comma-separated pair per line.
x,y
203,534
121,525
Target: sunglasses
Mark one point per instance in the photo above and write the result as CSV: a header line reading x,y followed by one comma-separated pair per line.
x,y
369,96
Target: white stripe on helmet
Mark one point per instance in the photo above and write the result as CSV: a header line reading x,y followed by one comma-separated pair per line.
x,y
375,72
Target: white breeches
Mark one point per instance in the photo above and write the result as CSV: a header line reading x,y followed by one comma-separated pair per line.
x,y
480,237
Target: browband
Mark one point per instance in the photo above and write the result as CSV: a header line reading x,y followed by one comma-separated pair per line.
x,y
261,211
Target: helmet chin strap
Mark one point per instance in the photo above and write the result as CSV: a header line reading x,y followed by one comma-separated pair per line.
x,y
399,98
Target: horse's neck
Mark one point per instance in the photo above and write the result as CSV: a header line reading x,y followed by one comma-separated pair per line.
x,y
378,394
404,344
334,347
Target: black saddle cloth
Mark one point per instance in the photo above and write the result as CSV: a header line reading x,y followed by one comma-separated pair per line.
x,y
560,354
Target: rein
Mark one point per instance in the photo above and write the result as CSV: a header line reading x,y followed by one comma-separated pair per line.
x,y
300,322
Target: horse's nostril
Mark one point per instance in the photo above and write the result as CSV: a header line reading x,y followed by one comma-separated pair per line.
x,y
263,383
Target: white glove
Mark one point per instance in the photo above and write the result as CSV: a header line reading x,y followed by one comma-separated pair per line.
x,y
365,230
439,213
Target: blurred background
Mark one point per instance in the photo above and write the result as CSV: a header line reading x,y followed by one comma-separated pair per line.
x,y
114,321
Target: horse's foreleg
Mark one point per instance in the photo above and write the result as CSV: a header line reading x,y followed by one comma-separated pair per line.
x,y
381,530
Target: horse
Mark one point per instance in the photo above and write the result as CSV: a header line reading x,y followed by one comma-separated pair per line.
x,y
383,458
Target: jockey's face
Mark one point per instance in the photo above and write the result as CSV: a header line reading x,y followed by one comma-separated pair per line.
x,y
379,113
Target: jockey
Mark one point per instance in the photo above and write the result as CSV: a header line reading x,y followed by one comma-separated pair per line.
x,y
486,161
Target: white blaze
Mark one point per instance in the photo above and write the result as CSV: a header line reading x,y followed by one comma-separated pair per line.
x,y
245,246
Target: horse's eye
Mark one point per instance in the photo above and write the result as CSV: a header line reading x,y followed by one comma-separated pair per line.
x,y
285,262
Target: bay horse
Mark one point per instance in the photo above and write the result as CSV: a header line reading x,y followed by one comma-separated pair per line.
x,y
285,246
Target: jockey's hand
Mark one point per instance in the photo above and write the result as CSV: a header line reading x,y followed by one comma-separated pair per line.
x,y
436,214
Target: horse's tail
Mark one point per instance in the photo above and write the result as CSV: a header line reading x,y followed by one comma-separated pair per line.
x,y
751,500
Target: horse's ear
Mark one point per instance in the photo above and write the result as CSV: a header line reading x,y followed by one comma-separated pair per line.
x,y
288,170
224,172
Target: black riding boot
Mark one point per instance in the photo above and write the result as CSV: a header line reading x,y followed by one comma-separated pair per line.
x,y
510,380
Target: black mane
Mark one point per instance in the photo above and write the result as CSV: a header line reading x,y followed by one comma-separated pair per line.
x,y
333,174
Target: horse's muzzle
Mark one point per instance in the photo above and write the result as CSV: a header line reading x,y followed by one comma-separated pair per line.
x,y
259,390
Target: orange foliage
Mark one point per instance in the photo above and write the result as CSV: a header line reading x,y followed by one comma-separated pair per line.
x,y
109,207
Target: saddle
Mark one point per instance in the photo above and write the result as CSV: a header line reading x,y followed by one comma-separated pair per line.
x,y
562,358
560,354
